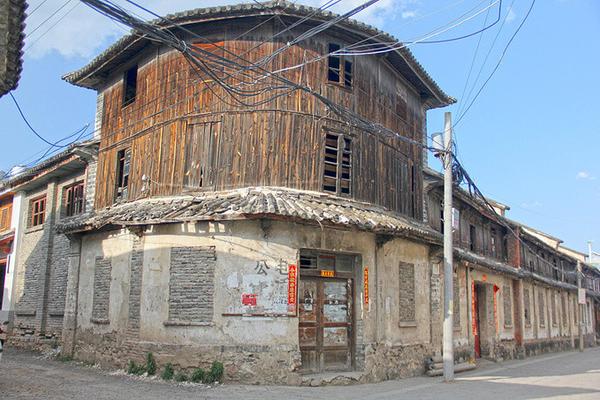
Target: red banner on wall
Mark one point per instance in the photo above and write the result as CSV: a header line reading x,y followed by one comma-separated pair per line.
x,y
292,287
249,299
473,309
366,284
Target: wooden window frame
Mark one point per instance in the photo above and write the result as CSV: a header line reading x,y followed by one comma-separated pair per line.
x,y
472,238
37,217
123,171
130,85
74,198
343,149
5,216
344,69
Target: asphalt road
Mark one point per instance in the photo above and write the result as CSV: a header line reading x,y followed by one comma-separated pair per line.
x,y
570,375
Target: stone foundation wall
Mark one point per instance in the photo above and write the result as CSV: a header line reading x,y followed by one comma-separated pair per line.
x,y
384,362
271,365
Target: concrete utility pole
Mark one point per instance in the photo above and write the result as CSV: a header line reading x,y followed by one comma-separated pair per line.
x,y
447,348
579,306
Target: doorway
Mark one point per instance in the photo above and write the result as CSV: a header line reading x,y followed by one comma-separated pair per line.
x,y
325,311
481,319
325,326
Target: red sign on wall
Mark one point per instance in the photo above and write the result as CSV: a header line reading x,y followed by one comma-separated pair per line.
x,y
366,284
292,287
249,299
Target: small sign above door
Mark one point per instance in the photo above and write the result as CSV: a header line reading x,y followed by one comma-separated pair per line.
x,y
326,273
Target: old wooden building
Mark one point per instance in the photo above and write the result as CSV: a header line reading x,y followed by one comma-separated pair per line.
x,y
292,233
274,236
515,291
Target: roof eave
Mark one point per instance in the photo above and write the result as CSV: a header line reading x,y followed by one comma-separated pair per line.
x,y
84,77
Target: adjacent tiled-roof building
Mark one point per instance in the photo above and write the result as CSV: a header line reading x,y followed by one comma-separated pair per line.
x,y
12,24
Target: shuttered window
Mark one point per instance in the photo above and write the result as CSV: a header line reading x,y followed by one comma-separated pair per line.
x,y
339,68
38,211
123,166
337,168
74,199
130,85
5,214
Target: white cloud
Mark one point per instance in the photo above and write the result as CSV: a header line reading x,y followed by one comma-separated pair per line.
x,y
585,175
408,14
83,32
532,205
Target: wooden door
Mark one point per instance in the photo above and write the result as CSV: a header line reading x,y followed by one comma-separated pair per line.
x,y
325,327
476,325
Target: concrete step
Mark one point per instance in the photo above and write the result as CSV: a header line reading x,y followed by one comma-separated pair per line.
x,y
332,378
466,366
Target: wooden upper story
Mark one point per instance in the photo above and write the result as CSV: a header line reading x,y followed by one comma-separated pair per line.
x,y
169,127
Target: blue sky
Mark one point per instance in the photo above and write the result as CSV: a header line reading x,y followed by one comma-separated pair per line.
x,y
531,139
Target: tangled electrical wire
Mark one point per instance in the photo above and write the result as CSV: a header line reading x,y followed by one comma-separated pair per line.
x,y
253,79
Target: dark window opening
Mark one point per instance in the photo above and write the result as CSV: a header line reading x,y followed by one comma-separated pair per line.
x,y
129,85
493,242
123,167
334,61
312,259
348,73
339,68
38,211
74,199
472,237
337,169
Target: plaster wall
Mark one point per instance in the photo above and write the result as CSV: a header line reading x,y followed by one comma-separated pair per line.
x,y
241,248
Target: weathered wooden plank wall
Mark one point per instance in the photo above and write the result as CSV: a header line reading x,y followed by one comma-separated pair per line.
x,y
280,143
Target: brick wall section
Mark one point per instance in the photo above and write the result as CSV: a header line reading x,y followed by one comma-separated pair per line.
x,y
102,277
513,249
507,302
456,301
191,284
407,292
527,306
34,243
58,283
542,308
135,287
90,185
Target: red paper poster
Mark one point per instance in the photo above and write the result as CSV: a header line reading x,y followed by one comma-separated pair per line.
x,y
292,287
496,289
249,299
366,285
473,309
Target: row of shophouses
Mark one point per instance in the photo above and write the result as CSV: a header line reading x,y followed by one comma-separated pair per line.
x,y
280,244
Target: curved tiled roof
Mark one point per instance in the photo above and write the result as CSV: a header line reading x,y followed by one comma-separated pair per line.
x,y
12,17
252,203
85,76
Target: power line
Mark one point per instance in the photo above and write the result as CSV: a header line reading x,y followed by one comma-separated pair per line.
x,y
36,8
52,26
47,19
485,28
473,61
497,64
463,101
31,127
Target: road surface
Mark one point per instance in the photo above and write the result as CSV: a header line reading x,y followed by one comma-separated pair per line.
x,y
569,375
